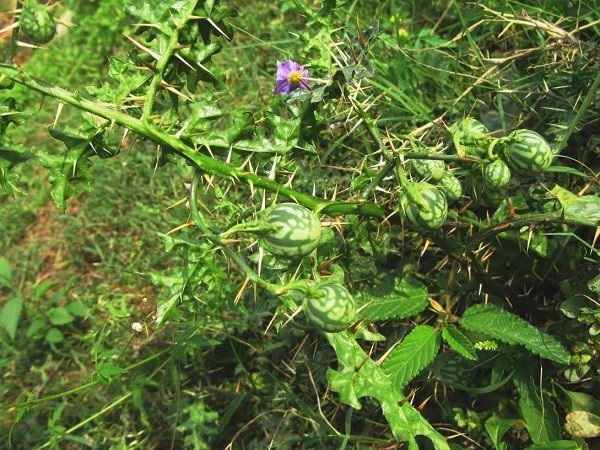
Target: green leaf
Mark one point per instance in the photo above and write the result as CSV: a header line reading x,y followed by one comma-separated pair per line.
x,y
359,376
42,288
69,173
107,371
566,169
459,342
586,207
9,318
497,427
396,298
578,401
60,316
77,309
54,336
507,327
411,356
572,306
34,327
5,273
11,154
594,284
536,408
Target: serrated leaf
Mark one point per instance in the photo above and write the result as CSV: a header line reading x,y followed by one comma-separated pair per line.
x,y
359,376
459,342
509,328
396,298
9,318
12,154
536,408
411,356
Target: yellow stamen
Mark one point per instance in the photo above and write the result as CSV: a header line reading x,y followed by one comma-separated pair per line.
x,y
295,78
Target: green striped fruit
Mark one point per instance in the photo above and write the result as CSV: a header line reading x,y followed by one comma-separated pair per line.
x,y
470,137
451,187
527,152
496,175
429,169
36,23
332,309
425,207
296,231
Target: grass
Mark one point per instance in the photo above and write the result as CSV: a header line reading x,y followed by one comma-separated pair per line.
x,y
216,378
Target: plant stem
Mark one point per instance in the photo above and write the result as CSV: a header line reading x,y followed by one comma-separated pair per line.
x,y
522,221
200,160
81,388
216,239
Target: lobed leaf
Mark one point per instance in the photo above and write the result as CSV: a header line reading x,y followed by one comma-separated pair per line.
x,y
585,207
359,376
411,356
507,327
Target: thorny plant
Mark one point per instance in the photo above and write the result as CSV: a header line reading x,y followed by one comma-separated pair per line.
x,y
418,237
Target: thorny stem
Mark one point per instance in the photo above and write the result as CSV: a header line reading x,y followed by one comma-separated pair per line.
x,y
201,161
202,224
160,69
158,77
374,133
518,222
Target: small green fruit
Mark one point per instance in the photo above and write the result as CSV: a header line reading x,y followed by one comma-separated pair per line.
x,y
36,23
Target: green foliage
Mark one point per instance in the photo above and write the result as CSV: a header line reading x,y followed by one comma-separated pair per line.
x,y
395,298
536,409
449,271
411,356
506,327
359,376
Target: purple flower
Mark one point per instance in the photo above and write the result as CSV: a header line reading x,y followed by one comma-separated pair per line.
x,y
290,76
